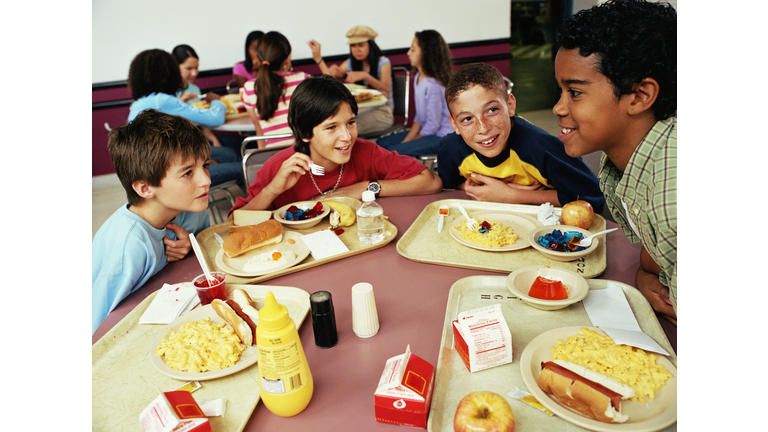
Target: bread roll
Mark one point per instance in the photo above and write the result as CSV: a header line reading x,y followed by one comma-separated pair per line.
x,y
241,328
253,237
250,217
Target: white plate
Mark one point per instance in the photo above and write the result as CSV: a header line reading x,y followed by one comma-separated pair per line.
x,y
235,265
247,357
374,93
651,415
521,224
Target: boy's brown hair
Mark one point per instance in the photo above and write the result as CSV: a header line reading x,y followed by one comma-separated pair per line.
x,y
473,74
145,148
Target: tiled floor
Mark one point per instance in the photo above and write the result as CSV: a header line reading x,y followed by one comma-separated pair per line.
x,y
108,194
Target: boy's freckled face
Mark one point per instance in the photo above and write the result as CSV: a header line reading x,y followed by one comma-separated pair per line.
x,y
332,140
482,117
185,186
589,114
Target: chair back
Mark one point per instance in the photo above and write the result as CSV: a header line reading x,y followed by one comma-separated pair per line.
x,y
401,91
232,87
254,160
252,142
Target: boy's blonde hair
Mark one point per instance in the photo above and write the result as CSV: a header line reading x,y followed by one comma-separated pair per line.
x,y
473,74
145,148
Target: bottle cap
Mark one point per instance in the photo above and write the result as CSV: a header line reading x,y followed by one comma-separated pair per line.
x,y
273,315
369,196
323,319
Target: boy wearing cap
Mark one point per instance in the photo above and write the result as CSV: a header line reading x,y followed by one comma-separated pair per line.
x,y
498,156
616,67
366,66
161,160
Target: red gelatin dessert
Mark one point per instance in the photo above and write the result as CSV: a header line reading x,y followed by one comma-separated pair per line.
x,y
548,289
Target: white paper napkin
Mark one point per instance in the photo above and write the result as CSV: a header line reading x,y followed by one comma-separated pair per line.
x,y
324,244
609,310
171,302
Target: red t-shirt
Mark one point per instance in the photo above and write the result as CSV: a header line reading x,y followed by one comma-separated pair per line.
x,y
368,162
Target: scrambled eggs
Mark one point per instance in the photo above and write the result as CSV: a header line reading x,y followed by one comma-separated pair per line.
x,y
498,235
627,365
201,346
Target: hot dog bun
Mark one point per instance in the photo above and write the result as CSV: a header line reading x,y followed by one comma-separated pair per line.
x,y
246,304
591,397
253,237
228,314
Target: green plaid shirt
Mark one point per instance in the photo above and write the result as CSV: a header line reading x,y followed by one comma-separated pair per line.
x,y
643,199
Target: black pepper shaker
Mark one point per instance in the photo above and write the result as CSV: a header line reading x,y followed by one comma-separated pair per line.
x,y
323,319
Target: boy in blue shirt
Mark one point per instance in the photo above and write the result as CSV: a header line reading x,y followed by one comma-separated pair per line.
x,y
498,156
161,161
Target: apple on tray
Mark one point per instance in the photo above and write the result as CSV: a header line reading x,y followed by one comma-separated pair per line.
x,y
484,411
578,213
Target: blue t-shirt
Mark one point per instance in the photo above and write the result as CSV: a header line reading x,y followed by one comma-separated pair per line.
x,y
191,88
172,105
126,251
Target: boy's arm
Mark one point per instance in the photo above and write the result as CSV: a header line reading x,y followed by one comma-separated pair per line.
x,y
648,283
494,190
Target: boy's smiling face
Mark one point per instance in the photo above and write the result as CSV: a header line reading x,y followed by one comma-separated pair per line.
x,y
590,115
332,140
482,117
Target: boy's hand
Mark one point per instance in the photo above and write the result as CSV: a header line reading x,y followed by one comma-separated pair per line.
x,y
290,172
177,249
647,281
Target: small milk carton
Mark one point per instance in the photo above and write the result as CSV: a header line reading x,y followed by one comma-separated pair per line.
x,y
482,338
175,411
404,393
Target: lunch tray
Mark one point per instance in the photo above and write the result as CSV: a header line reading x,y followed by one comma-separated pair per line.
x,y
422,243
124,381
210,246
453,381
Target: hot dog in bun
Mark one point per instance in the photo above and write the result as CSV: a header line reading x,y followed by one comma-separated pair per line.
x,y
588,392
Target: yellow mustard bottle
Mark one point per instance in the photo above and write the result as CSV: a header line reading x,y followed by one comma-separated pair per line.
x,y
284,378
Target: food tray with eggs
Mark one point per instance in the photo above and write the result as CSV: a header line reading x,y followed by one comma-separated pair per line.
x,y
125,378
453,381
422,243
211,247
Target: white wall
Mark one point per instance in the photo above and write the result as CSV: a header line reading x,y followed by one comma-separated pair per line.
x,y
217,30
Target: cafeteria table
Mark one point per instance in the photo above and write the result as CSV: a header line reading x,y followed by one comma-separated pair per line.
x,y
411,300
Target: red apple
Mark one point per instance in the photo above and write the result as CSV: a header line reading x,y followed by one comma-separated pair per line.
x,y
484,411
578,213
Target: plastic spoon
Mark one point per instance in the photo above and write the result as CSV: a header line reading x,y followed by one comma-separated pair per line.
x,y
442,212
587,241
201,260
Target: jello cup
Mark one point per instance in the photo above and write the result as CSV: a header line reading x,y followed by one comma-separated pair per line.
x,y
206,292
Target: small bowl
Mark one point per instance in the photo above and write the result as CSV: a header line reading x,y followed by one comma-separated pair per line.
x,y
519,283
302,224
534,235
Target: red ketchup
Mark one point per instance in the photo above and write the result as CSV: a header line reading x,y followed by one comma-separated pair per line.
x,y
548,289
207,295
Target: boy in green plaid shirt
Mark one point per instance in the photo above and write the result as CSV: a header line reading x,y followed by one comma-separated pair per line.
x,y
616,66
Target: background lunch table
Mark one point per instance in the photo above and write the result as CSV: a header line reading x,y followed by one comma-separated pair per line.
x,y
411,299
240,124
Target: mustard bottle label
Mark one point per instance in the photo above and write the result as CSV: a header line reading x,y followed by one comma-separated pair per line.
x,y
281,368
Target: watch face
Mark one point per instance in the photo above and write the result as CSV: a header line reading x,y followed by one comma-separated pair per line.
x,y
374,187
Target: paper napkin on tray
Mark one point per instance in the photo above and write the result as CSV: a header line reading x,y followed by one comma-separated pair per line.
x,y
171,302
608,309
324,244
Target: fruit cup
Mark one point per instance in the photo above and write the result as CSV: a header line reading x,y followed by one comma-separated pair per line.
x,y
207,292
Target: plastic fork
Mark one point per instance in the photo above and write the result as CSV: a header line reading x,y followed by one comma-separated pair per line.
x,y
587,241
471,222
316,169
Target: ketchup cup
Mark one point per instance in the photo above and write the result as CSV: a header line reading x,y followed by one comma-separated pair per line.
x,y
207,292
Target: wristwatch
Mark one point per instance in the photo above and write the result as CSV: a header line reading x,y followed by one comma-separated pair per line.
x,y
374,187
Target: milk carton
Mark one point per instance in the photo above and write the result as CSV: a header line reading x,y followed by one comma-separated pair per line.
x,y
482,338
175,411
404,393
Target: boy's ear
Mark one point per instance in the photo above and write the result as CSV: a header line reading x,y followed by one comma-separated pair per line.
x,y
143,189
511,104
453,124
644,96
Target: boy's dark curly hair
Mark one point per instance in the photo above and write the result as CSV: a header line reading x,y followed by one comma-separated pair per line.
x,y
632,40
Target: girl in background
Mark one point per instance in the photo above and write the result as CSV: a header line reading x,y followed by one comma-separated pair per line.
x,y
366,66
267,97
154,79
246,69
431,57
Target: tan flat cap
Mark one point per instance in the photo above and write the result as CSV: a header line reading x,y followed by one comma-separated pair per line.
x,y
360,34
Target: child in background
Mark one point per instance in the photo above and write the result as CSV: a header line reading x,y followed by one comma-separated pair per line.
x,y
497,156
366,66
160,160
267,97
431,57
246,69
322,118
617,70
154,79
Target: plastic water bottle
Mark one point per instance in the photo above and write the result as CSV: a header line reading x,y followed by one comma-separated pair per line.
x,y
370,220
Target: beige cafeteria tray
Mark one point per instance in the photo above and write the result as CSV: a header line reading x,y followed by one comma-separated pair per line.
x,y
422,243
124,381
210,246
453,381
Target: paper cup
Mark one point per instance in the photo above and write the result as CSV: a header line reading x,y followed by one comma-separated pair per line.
x,y
365,319
207,293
